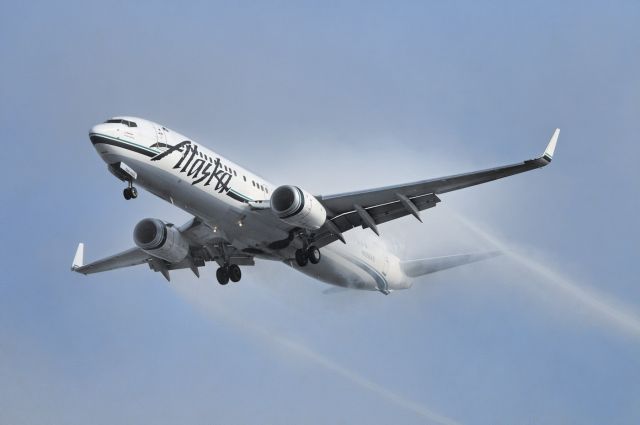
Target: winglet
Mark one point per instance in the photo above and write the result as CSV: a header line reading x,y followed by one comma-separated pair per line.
x,y
78,260
551,147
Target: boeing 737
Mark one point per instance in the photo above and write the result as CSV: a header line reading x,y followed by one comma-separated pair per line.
x,y
239,217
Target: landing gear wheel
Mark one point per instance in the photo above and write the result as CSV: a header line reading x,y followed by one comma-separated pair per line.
x,y
130,192
222,274
234,273
301,257
313,253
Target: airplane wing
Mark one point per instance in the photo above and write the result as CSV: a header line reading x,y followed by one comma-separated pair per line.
x,y
130,257
368,208
204,246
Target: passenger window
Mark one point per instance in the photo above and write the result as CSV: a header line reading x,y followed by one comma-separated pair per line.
x,y
245,178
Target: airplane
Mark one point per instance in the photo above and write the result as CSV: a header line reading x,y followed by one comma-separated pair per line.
x,y
239,217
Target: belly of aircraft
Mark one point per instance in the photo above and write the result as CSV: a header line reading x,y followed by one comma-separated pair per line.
x,y
336,269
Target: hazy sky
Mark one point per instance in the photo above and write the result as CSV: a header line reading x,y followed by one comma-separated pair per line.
x,y
331,96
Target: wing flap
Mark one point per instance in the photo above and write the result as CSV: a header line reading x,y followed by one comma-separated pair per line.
x,y
385,212
379,213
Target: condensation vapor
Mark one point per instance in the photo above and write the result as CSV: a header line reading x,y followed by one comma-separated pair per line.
x,y
603,309
212,309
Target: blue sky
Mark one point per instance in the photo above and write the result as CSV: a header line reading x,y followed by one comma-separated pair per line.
x,y
331,96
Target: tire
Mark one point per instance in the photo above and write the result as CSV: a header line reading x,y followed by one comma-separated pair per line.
x,y
134,192
222,274
313,253
301,258
235,274
127,193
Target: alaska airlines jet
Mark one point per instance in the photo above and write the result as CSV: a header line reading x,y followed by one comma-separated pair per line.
x,y
239,217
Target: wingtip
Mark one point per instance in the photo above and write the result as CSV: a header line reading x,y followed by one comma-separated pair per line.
x,y
551,147
78,259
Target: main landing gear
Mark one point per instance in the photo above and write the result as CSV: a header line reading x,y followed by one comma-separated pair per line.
x,y
309,255
228,272
130,192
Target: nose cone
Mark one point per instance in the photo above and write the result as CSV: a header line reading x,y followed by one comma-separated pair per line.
x,y
100,135
98,129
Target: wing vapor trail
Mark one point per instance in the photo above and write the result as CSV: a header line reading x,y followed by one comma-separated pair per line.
x,y
604,309
212,309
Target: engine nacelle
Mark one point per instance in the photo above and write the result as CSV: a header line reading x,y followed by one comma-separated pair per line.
x,y
164,241
297,207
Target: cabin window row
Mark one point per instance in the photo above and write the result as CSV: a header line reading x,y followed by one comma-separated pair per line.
x,y
231,171
226,168
259,186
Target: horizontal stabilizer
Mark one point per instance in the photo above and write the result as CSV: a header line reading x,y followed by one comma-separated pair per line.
x,y
415,268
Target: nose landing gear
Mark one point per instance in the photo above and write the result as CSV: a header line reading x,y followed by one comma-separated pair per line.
x,y
130,192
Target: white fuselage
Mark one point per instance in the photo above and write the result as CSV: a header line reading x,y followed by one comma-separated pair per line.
x,y
218,190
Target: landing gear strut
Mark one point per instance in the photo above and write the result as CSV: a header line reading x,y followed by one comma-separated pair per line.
x,y
130,192
228,272
304,256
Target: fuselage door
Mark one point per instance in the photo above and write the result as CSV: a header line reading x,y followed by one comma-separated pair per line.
x,y
161,136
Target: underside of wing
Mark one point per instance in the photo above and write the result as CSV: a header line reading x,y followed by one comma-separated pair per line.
x,y
130,257
203,245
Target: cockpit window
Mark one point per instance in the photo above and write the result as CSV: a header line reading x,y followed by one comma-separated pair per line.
x,y
125,122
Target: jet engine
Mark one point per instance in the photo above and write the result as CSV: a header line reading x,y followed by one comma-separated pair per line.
x,y
297,207
161,240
